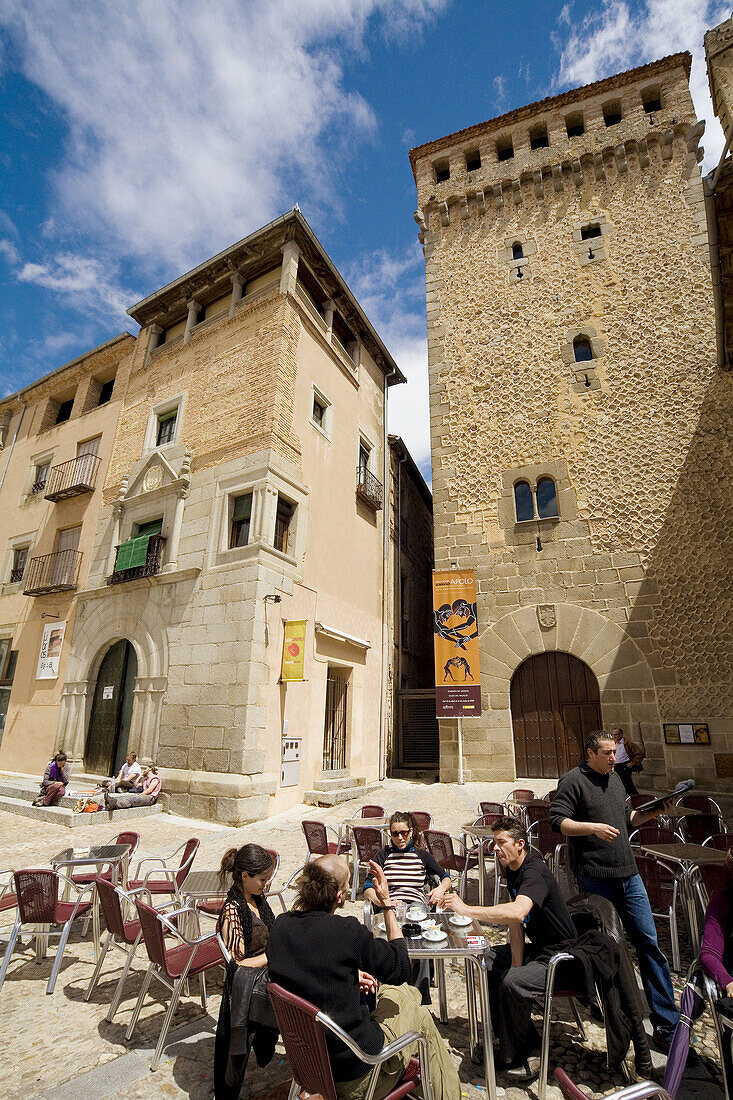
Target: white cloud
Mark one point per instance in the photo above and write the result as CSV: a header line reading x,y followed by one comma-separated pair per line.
x,y
391,289
9,251
89,282
191,125
500,91
621,36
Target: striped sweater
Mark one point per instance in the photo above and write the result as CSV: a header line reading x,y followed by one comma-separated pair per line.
x,y
408,871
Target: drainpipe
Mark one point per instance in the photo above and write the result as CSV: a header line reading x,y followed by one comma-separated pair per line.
x,y
10,452
715,271
399,567
385,559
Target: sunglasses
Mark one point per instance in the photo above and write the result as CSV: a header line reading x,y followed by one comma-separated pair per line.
x,y
400,832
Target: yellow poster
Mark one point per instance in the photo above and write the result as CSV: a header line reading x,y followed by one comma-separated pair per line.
x,y
455,634
293,650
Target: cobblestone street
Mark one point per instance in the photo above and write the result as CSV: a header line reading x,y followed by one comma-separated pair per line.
x,y
60,1046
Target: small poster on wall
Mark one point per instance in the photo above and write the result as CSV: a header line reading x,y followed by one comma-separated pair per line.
x,y
686,733
50,655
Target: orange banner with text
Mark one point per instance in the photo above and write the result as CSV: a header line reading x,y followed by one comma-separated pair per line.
x,y
455,635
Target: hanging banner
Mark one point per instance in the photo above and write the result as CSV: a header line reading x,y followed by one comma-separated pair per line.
x,y
50,655
455,635
293,650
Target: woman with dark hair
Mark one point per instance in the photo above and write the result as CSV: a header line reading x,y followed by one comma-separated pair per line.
x,y
408,866
331,961
55,781
246,1019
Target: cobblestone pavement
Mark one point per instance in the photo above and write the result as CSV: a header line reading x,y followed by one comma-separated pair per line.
x,y
61,1046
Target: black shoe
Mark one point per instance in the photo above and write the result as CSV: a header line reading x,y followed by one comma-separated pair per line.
x,y
661,1041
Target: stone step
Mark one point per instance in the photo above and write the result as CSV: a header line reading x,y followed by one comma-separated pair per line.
x,y
342,783
62,815
334,797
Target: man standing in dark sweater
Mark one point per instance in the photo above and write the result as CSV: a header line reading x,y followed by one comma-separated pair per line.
x,y
590,809
331,961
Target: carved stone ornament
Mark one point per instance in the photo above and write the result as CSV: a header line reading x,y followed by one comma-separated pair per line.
x,y
153,478
546,615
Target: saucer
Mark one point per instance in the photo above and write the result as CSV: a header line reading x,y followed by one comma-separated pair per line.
x,y
434,935
460,921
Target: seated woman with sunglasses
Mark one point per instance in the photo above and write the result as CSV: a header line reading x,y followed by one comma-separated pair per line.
x,y
408,867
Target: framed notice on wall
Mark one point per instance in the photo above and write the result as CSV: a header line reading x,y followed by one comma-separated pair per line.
x,y
686,733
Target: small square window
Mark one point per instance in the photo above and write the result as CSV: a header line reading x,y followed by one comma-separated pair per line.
x,y
504,148
319,412
64,411
40,477
473,161
588,232
20,559
283,520
166,428
538,138
105,393
240,522
651,100
442,171
575,125
364,453
612,114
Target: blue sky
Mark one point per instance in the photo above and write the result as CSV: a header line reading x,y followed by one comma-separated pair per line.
x,y
142,137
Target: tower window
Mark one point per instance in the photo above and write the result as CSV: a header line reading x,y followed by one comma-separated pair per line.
x,y
442,171
504,148
538,138
64,411
283,519
166,428
546,499
517,251
523,501
651,100
105,392
587,232
473,161
582,350
612,114
240,523
575,124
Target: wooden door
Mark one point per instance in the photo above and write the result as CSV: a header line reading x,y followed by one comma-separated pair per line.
x,y
109,723
555,703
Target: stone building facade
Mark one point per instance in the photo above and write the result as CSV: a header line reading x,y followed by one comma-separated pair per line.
x,y
56,439
244,489
581,426
414,746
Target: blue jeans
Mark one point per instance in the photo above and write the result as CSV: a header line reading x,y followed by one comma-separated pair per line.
x,y
629,899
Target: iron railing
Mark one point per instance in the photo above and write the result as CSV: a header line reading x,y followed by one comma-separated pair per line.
x,y
153,563
368,487
73,477
40,485
17,574
334,732
53,573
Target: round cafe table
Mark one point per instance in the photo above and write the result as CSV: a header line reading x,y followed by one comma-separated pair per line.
x,y
683,860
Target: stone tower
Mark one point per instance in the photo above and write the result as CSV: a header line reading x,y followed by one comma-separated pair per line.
x,y
581,427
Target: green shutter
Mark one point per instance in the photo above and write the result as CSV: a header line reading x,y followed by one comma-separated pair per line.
x,y
132,553
153,528
242,508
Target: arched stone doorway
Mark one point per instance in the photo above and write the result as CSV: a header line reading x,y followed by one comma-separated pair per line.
x,y
111,714
555,702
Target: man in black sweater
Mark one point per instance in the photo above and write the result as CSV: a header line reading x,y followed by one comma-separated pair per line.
x,y
590,809
538,911
331,961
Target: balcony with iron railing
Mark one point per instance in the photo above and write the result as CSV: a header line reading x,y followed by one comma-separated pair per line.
x,y
368,488
57,572
148,568
72,478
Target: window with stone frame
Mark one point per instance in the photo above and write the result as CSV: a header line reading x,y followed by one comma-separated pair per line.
x,y
8,661
546,497
651,100
239,527
63,413
441,168
582,350
575,124
523,501
105,392
473,161
612,113
40,475
166,432
283,520
18,564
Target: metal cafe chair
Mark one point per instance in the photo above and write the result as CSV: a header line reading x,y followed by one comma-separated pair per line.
x,y
369,811
702,802
651,833
423,819
166,879
441,847
536,810
721,841
367,842
696,828
81,878
303,1029
547,843
122,934
492,808
662,889
641,1090
37,895
172,966
554,990
317,842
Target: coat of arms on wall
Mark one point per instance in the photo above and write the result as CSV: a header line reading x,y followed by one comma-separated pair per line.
x,y
546,615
